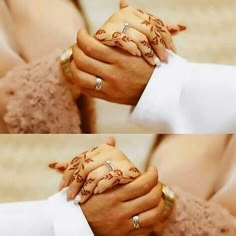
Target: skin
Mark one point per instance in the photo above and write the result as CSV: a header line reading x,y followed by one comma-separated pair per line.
x,y
121,66
142,196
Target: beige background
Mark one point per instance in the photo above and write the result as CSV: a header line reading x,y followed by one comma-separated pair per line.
x,y
24,159
211,37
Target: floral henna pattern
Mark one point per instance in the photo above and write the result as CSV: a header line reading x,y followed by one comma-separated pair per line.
x,y
134,169
89,181
85,192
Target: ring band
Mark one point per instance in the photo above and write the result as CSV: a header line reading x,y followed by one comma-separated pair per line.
x,y
125,28
98,84
136,222
109,165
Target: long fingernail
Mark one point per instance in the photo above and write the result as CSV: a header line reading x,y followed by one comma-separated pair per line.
x,y
52,165
61,185
157,61
182,27
172,46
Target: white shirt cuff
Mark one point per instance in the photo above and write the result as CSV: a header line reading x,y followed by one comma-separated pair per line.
x,y
68,218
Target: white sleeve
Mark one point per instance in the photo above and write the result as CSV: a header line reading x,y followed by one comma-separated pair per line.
x,y
184,97
52,217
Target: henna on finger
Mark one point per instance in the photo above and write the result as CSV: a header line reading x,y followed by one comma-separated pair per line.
x,y
116,177
117,39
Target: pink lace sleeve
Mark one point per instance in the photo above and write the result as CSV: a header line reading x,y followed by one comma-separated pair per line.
x,y
195,217
39,100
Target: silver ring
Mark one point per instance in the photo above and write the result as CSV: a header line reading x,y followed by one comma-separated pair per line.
x,y
98,84
109,165
125,28
136,222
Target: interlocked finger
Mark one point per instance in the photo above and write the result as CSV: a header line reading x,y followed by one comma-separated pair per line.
x,y
119,39
117,177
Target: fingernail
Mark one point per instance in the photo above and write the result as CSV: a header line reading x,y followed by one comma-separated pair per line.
x,y
157,61
172,46
138,53
182,27
61,185
52,165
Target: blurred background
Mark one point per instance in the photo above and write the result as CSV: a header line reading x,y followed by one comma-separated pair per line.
x,y
210,37
24,159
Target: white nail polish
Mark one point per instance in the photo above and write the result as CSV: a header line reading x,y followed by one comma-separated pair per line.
x,y
157,61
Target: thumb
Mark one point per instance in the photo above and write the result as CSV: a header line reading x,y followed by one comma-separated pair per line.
x,y
111,141
123,4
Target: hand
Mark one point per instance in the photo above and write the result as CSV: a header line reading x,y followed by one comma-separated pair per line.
x,y
88,173
111,213
143,34
124,76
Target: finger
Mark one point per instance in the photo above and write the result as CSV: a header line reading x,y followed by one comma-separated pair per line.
x,y
148,28
140,232
89,64
123,4
143,45
83,79
117,177
91,182
59,166
145,202
174,29
68,173
107,36
148,219
111,141
139,187
89,164
91,47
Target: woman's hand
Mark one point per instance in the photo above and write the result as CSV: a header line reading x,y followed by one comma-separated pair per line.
x,y
139,33
111,213
95,171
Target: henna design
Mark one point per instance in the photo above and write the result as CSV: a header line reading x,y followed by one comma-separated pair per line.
x,y
79,179
118,172
125,39
140,11
119,44
117,181
116,35
149,54
134,169
93,149
108,176
88,160
101,31
146,22
88,181
145,43
85,192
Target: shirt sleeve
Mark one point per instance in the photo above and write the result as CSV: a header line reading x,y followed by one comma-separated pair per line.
x,y
68,218
184,97
52,217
